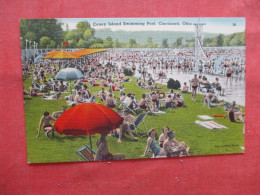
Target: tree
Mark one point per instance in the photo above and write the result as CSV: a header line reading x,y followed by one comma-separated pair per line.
x,y
117,44
220,40
132,43
150,43
108,43
45,41
179,42
35,29
96,45
83,26
165,43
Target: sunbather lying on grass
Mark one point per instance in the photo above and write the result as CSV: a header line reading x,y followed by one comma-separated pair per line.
x,y
33,91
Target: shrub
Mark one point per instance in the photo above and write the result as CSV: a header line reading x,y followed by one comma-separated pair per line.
x,y
128,72
170,83
176,85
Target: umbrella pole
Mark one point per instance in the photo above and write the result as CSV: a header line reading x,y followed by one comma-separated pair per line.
x,y
90,143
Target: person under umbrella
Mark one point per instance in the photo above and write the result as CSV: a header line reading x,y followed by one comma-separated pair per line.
x,y
103,153
69,74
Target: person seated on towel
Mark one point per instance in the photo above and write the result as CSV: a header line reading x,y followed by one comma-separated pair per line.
x,y
110,101
152,145
178,102
169,103
174,148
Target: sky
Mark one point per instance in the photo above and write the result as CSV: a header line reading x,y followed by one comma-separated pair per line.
x,y
210,25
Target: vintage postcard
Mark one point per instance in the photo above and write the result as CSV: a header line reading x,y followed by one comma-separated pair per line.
x,y
102,89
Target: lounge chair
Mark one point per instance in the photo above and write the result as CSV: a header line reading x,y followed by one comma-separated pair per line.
x,y
134,126
86,153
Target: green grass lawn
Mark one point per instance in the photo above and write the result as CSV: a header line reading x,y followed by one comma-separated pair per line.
x,y
202,141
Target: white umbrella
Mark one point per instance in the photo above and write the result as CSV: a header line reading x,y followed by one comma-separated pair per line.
x,y
69,74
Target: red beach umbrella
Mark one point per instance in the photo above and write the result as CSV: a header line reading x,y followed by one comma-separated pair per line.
x,y
88,119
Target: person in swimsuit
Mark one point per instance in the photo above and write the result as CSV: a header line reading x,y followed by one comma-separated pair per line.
x,y
144,103
217,84
229,74
151,144
154,102
169,102
236,112
178,102
163,135
33,91
185,88
46,123
132,103
125,127
103,153
194,85
133,68
110,101
173,148
57,114
102,94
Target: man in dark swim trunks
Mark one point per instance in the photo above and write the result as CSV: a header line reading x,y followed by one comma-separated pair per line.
x,y
46,123
194,86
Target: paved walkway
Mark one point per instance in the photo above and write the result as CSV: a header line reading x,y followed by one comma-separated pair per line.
x,y
234,92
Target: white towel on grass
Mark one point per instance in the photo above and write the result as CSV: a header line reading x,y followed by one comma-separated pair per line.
x,y
205,117
210,124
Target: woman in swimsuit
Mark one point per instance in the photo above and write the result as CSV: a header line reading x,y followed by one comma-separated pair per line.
x,y
151,144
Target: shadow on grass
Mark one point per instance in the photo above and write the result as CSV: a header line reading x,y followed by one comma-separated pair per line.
x,y
27,98
71,138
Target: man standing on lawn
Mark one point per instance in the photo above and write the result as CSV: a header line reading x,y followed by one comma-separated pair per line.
x,y
194,86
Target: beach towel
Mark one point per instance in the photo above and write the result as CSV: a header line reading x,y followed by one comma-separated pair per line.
x,y
210,124
159,112
205,117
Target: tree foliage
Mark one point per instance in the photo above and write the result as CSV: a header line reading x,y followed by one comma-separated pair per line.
x,y
165,43
49,34
35,29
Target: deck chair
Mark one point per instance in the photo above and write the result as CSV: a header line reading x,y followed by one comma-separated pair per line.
x,y
86,153
134,126
122,106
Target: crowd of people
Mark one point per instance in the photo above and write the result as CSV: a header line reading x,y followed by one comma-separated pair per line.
x,y
107,70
